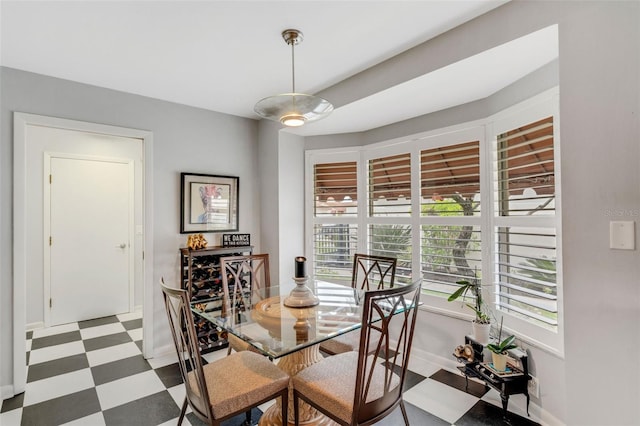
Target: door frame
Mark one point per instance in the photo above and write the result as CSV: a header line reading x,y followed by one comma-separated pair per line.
x,y
20,123
48,156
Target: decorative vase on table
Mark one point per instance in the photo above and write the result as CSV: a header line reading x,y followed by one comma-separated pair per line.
x,y
301,296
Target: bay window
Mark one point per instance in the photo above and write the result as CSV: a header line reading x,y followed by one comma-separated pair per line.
x,y
474,202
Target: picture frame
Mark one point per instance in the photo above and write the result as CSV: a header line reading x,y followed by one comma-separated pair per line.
x,y
208,203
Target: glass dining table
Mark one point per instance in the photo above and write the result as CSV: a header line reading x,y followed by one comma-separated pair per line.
x,y
289,335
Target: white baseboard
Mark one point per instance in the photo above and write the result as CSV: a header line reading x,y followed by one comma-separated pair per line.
x,y
163,350
7,392
545,417
35,325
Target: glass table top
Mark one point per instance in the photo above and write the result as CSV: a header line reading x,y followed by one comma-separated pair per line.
x,y
277,330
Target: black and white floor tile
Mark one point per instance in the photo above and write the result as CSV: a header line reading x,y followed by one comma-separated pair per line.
x,y
92,373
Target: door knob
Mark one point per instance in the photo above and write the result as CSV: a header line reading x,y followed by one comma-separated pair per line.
x,y
123,245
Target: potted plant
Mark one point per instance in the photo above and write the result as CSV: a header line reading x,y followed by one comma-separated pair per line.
x,y
499,352
482,322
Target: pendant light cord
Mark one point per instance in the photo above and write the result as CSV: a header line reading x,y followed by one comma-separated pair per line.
x,y
293,68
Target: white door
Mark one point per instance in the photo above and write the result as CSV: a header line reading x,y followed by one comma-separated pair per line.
x,y
90,220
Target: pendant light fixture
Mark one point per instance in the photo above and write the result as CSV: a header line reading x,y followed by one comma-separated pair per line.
x,y
293,109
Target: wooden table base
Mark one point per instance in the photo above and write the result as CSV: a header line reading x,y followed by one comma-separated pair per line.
x,y
291,364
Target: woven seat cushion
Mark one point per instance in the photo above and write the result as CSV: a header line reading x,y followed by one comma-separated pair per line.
x,y
330,384
348,342
240,380
344,343
239,345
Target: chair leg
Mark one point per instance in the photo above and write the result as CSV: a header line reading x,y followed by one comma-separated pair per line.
x,y
295,409
284,403
182,411
247,418
404,413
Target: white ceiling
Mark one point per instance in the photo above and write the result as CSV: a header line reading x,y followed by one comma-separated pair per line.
x,y
226,55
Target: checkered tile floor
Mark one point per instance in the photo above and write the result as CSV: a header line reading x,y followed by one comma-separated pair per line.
x,y
93,373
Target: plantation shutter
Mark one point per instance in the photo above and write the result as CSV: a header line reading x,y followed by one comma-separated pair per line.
x,y
527,273
450,188
450,175
526,232
335,211
390,186
335,189
526,179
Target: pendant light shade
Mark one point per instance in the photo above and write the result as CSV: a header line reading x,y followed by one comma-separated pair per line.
x,y
293,109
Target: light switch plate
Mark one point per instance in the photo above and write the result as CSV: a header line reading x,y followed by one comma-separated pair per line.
x,y
622,235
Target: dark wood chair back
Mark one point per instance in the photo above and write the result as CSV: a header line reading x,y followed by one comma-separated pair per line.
x,y
242,279
186,342
226,387
362,388
385,345
372,272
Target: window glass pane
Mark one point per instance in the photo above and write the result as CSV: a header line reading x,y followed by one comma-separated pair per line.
x,y
525,181
526,274
390,186
333,248
450,253
393,241
450,180
335,189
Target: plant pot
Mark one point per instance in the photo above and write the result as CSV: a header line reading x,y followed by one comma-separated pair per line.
x,y
481,332
499,361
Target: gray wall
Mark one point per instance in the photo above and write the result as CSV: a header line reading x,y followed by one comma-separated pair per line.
x,y
185,140
269,192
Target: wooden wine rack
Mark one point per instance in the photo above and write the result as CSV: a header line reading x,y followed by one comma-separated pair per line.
x,y
201,276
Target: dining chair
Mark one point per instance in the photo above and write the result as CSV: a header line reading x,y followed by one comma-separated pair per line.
x,y
226,387
369,272
242,279
363,387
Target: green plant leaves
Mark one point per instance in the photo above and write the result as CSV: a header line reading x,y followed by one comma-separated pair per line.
x,y
503,346
465,286
456,294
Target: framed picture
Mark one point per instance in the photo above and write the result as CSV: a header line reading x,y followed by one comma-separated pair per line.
x,y
209,203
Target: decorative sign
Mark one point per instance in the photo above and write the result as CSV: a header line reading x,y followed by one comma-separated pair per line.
x,y
236,240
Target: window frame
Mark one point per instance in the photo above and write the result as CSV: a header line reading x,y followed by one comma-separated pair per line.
x,y
313,157
540,106
485,131
439,139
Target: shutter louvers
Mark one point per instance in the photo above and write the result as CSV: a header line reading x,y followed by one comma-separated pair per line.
x,y
335,189
450,177
526,273
393,241
526,178
390,186
333,248
450,253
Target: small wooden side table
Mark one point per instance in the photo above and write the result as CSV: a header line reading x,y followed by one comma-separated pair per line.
x,y
515,382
